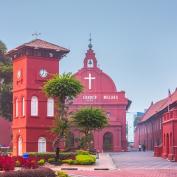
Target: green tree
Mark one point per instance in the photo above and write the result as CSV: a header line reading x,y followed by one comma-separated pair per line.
x,y
5,83
64,88
87,120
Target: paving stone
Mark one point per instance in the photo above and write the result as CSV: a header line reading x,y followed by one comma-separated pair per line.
x,y
134,164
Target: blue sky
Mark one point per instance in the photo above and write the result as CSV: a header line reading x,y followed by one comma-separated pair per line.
x,y
135,41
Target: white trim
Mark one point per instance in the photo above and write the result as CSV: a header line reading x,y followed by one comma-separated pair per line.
x,y
16,107
20,145
42,144
23,106
50,107
34,106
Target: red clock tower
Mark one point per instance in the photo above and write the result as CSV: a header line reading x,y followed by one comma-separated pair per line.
x,y
33,112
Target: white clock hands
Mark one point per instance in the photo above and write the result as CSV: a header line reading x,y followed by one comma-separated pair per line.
x,y
43,73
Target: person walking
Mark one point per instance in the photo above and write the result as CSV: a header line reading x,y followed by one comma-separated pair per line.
x,y
139,147
143,147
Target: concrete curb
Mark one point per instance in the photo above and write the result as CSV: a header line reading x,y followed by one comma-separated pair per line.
x,y
105,162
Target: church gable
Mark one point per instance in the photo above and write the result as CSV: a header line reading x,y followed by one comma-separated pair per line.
x,y
99,88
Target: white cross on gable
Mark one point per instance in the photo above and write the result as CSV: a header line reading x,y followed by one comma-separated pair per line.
x,y
90,78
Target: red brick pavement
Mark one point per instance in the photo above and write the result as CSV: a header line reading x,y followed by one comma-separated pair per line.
x,y
126,173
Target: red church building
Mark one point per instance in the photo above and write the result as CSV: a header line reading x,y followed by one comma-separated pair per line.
x,y
157,129
100,91
33,113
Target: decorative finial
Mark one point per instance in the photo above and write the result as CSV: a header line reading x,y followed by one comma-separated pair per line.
x,y
90,44
36,35
169,92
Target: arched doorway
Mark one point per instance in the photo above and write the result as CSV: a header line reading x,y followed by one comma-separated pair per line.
x,y
41,144
108,141
20,144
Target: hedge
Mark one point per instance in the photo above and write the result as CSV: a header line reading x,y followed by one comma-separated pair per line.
x,y
40,172
49,155
81,160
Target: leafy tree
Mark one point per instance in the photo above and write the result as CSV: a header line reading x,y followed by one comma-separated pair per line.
x,y
65,88
87,120
5,83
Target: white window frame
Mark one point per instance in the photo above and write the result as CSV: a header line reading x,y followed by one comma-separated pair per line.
x,y
23,106
34,106
50,107
16,107
42,144
20,146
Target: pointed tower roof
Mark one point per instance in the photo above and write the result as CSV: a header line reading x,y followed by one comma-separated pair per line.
x,y
90,60
39,44
90,44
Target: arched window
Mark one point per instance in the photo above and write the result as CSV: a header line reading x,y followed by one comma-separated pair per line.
x,y
41,144
23,106
16,107
20,146
90,63
50,107
34,106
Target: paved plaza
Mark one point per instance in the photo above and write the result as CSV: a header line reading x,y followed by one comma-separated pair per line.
x,y
133,164
141,160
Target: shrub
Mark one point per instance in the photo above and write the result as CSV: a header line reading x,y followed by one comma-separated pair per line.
x,y
67,155
41,162
68,161
41,172
50,160
81,160
85,159
17,163
82,152
39,155
61,174
6,163
48,155
30,163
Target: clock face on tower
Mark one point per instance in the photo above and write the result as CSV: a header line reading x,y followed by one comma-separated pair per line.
x,y
43,73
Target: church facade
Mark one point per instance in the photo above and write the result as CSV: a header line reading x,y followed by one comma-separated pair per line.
x,y
100,91
33,113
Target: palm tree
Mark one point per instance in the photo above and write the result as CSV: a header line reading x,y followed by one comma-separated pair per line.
x,y
64,88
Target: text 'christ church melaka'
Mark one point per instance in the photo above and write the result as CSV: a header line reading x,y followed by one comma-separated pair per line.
x,y
33,112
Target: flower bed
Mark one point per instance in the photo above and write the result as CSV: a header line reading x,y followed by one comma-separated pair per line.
x,y
6,163
36,160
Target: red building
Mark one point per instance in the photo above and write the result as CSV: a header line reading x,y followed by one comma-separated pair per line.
x,y
157,128
5,132
100,91
33,112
